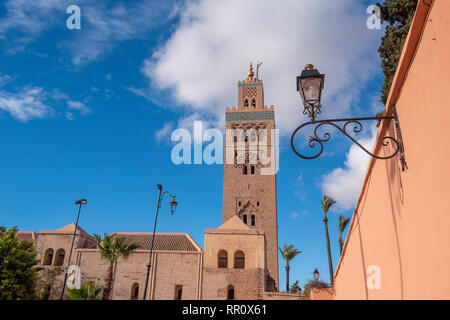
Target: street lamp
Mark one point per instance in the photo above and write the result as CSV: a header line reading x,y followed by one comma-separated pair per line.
x,y
173,205
316,274
79,203
310,86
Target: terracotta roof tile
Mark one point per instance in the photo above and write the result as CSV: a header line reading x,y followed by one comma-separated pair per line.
x,y
163,241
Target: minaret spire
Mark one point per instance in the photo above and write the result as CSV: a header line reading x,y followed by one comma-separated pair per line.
x,y
250,71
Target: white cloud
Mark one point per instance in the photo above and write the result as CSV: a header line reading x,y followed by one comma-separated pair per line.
x,y
344,184
81,107
294,215
164,132
29,19
4,79
26,104
215,41
104,23
30,102
300,179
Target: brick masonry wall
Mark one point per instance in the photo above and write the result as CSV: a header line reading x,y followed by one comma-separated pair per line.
x,y
247,283
171,269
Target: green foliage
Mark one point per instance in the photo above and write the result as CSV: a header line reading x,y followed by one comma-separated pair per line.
x,y
379,115
87,291
327,202
112,248
343,221
313,284
289,253
46,281
18,276
295,288
398,14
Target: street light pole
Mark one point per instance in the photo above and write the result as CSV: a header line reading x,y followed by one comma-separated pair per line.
x,y
80,203
173,204
153,239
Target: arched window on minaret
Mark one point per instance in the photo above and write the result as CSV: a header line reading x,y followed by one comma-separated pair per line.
x,y
253,103
244,218
246,103
253,220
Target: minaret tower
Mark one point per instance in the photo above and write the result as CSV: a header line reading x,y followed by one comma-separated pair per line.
x,y
248,190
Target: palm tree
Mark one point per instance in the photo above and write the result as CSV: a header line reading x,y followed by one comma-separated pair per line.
x,y
288,253
111,249
88,291
343,221
327,202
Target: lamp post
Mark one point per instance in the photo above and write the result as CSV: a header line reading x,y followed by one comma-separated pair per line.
x,y
80,203
316,274
310,86
173,205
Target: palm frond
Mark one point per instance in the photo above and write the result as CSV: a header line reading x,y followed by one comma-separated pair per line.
x,y
343,221
289,252
88,291
112,248
327,202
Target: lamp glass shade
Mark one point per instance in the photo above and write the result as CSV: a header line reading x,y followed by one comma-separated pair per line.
x,y
311,90
316,274
310,85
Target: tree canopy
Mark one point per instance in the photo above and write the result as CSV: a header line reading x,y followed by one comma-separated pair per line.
x,y
398,14
18,276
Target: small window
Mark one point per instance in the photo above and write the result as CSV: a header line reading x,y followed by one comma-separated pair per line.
x,y
253,103
134,291
178,292
246,103
244,218
222,259
244,170
257,203
239,260
239,203
48,257
252,169
59,259
230,292
253,220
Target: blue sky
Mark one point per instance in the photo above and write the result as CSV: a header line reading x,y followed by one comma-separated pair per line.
x,y
88,113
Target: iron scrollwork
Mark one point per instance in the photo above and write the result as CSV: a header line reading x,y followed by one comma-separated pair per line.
x,y
355,125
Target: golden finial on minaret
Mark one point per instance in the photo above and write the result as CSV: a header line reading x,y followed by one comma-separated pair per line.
x,y
250,71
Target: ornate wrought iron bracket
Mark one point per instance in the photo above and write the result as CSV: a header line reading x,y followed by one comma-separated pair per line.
x,y
357,127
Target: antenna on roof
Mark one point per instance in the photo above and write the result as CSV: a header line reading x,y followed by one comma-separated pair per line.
x,y
258,64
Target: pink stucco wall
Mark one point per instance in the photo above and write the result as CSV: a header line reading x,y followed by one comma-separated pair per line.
x,y
400,230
